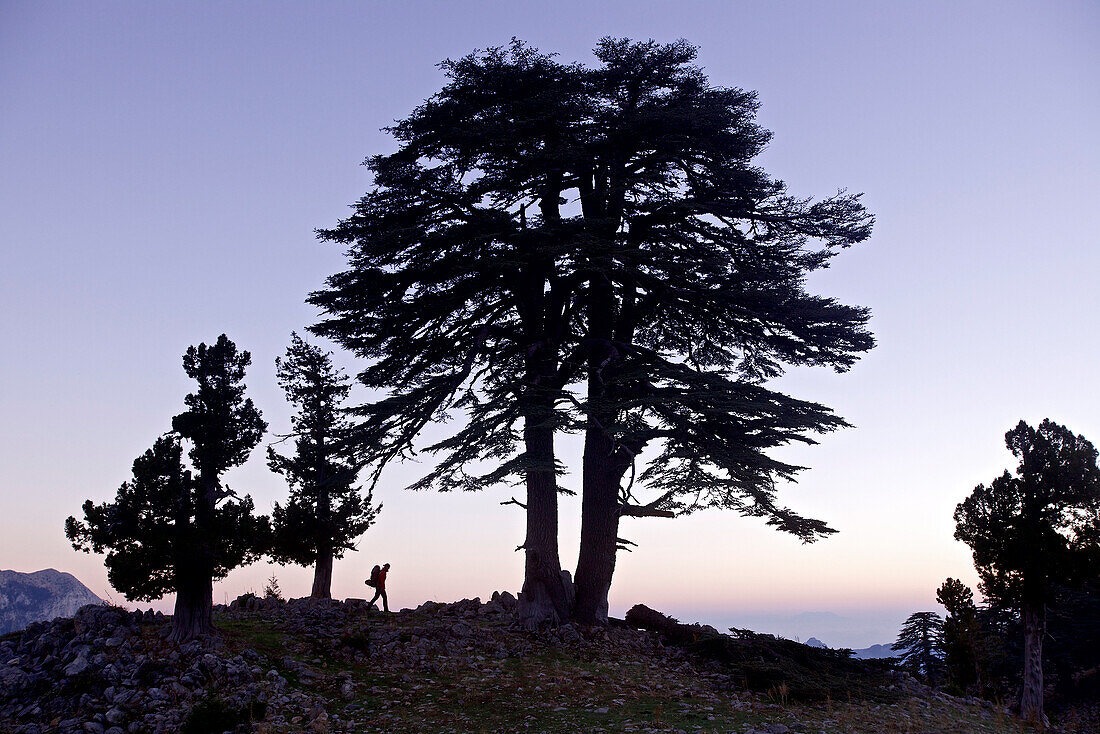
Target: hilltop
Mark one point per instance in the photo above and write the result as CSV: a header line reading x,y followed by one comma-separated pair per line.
x,y
41,595
327,666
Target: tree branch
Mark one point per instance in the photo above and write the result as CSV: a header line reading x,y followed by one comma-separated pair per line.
x,y
643,511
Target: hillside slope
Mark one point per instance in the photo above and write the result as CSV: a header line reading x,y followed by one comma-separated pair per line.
x,y
463,667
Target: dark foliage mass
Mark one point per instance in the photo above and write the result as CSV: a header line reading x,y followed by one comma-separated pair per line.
x,y
139,528
1072,648
1034,532
960,640
174,529
982,649
773,665
555,247
326,511
221,424
919,643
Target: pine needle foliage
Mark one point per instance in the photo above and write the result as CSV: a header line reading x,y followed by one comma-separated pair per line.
x,y
638,177
1035,531
919,642
178,529
326,511
593,249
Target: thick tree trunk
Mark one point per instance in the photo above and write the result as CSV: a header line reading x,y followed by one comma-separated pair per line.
x,y
544,598
322,576
194,612
1031,700
599,528
602,468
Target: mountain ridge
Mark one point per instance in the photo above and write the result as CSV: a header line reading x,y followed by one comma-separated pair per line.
x,y
39,596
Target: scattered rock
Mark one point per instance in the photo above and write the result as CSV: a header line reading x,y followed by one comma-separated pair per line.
x,y
109,671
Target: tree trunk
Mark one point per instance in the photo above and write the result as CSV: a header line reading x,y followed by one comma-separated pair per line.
x,y
1031,700
194,612
599,528
322,573
602,468
544,598
322,576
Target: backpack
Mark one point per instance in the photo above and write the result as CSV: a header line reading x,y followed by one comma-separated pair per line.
x,y
374,572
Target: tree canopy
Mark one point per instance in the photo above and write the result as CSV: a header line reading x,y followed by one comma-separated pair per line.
x,y
326,511
221,424
173,529
960,638
1035,530
592,249
919,642
139,530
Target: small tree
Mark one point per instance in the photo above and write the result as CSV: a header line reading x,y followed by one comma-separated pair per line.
x,y
1034,531
171,529
960,634
272,590
919,644
326,511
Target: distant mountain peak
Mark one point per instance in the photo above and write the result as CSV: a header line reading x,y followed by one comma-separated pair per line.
x,y
814,642
40,595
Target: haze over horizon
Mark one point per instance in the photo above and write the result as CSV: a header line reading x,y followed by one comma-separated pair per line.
x,y
167,165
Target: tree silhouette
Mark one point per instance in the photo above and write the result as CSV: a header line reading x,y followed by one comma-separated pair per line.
x,y
695,261
960,638
594,250
1072,648
458,295
326,511
919,642
171,529
1034,531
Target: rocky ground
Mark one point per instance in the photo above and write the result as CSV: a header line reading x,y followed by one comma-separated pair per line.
x,y
325,666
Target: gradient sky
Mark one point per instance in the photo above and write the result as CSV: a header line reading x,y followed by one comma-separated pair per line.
x,y
164,166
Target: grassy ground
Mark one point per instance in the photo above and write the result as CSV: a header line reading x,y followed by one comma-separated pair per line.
x,y
563,688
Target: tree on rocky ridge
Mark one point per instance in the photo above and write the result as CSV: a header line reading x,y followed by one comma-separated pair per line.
x,y
326,511
457,296
694,261
548,226
1034,531
173,529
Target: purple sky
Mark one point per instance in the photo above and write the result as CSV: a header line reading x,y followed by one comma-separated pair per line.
x,y
164,166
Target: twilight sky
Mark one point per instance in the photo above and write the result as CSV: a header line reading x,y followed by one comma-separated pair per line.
x,y
165,164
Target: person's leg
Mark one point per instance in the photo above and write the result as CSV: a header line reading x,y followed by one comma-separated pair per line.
x,y
377,594
385,600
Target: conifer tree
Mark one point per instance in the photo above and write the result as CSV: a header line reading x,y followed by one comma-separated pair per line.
x,y
173,529
593,250
919,643
326,511
960,640
695,296
1034,531
457,296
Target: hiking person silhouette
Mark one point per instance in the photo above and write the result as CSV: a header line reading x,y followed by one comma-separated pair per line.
x,y
378,581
